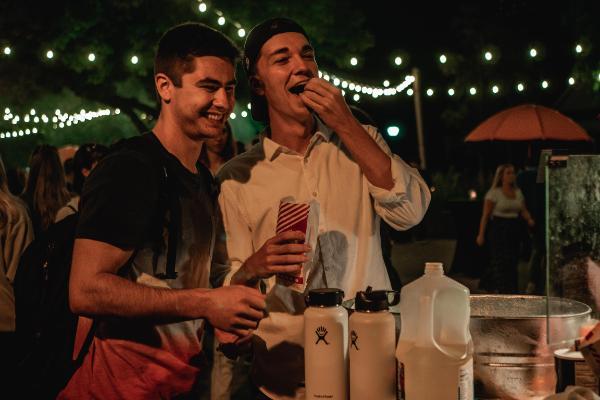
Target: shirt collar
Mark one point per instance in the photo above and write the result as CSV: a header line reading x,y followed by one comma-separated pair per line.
x,y
273,149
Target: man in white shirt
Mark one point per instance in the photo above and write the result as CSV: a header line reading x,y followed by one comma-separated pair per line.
x,y
312,150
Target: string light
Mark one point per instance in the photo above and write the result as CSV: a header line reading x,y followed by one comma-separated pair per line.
x,y
358,88
61,120
244,114
232,115
393,131
532,53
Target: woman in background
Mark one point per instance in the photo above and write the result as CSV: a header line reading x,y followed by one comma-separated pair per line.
x,y
219,150
504,204
16,233
85,159
46,191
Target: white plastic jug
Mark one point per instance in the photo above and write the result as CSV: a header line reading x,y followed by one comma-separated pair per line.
x,y
435,350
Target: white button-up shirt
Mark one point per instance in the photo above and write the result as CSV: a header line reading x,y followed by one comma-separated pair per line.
x,y
348,254
253,184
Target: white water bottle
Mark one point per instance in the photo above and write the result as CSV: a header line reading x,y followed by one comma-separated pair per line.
x,y
372,346
435,350
326,345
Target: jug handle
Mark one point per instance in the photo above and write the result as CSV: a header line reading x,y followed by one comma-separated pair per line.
x,y
468,345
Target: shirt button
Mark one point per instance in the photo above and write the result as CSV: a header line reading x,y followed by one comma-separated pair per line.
x,y
314,194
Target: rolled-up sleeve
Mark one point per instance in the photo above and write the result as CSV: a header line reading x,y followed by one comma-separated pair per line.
x,y
404,205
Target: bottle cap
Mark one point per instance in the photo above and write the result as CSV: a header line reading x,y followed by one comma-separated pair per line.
x,y
375,300
435,268
326,297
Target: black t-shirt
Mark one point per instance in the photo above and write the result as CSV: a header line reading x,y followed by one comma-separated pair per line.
x,y
120,205
120,200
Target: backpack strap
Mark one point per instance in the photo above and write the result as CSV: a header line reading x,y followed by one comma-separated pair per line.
x,y
174,209
80,348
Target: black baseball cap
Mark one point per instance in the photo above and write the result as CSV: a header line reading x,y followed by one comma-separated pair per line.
x,y
255,40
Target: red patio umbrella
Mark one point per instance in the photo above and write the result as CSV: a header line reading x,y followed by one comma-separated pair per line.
x,y
528,122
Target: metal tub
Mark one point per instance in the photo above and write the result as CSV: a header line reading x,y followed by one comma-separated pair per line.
x,y
513,358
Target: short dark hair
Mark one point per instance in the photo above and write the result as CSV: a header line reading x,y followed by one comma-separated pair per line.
x,y
85,157
180,44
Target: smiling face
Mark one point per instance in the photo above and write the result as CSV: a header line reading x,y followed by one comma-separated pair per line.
x,y
201,105
286,62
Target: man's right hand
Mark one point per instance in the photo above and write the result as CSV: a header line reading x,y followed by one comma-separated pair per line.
x,y
279,255
235,309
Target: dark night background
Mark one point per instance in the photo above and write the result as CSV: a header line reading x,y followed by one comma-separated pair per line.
x,y
373,31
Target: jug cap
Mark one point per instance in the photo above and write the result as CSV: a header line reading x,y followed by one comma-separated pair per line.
x,y
375,300
435,268
325,297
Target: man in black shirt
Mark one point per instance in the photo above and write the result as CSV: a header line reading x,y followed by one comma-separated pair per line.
x,y
151,316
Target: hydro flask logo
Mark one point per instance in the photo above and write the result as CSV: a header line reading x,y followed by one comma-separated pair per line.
x,y
321,333
354,338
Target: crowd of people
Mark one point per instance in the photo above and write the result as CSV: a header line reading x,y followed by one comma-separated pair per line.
x,y
177,228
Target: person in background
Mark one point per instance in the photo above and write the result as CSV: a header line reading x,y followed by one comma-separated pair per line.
x,y
45,191
313,150
69,171
16,233
504,204
217,151
85,159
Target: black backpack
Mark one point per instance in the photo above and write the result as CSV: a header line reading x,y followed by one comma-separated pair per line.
x,y
45,326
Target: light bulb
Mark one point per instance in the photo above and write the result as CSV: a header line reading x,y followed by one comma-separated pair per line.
x,y
393,131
